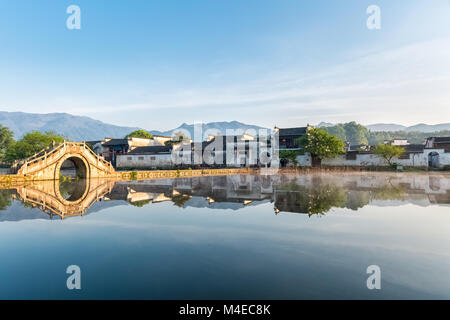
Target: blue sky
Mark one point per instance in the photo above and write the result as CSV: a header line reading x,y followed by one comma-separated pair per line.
x,y
156,64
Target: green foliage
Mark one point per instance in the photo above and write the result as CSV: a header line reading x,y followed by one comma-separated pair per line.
x,y
6,140
319,143
133,175
31,143
352,132
387,152
139,134
290,155
357,134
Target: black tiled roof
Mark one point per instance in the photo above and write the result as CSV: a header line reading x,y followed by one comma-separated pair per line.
x,y
93,142
116,142
413,147
151,150
292,131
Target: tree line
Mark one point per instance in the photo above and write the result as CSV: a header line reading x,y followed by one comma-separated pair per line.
x,y
28,145
357,134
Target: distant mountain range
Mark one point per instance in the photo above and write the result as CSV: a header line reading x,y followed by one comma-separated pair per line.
x,y
76,128
421,127
213,127
81,128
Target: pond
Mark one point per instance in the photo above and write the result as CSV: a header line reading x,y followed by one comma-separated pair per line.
x,y
287,236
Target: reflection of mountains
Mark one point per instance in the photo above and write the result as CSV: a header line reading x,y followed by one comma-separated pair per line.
x,y
308,193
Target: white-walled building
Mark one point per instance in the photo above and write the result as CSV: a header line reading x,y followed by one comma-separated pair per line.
x,y
150,157
414,156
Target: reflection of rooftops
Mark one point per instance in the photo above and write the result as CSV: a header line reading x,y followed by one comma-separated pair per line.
x,y
151,150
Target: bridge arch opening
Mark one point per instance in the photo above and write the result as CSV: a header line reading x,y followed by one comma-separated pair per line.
x,y
73,167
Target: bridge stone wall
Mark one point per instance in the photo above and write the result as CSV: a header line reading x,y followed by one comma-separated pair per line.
x,y
46,165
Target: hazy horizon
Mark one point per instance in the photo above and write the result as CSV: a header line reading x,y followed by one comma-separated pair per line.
x,y
249,122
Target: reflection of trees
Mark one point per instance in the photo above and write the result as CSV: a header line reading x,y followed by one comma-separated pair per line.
x,y
357,199
180,200
322,198
141,203
5,199
318,198
389,192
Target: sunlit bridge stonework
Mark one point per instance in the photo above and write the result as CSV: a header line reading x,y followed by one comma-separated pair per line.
x,y
46,164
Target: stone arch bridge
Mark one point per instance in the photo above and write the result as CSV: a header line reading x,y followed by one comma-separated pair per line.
x,y
46,164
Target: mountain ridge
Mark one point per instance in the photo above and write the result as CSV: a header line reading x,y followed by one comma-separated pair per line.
x,y
391,127
83,128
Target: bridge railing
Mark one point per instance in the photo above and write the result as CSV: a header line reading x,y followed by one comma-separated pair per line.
x,y
100,159
46,153
38,156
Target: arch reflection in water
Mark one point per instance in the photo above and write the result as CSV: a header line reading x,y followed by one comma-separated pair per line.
x,y
64,198
72,190
308,193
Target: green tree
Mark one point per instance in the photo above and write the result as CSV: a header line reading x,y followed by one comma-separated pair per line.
x,y
289,155
31,143
320,144
337,131
178,137
387,152
139,134
352,132
356,133
6,140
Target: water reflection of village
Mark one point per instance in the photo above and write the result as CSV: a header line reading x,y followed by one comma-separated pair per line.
x,y
306,194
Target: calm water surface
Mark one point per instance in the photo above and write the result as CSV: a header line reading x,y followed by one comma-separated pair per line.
x,y
229,237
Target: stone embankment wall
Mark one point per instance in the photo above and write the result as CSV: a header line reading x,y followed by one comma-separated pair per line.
x,y
11,180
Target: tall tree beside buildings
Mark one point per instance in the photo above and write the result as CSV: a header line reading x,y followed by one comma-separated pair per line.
x,y
6,140
31,143
139,134
388,152
351,132
320,144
